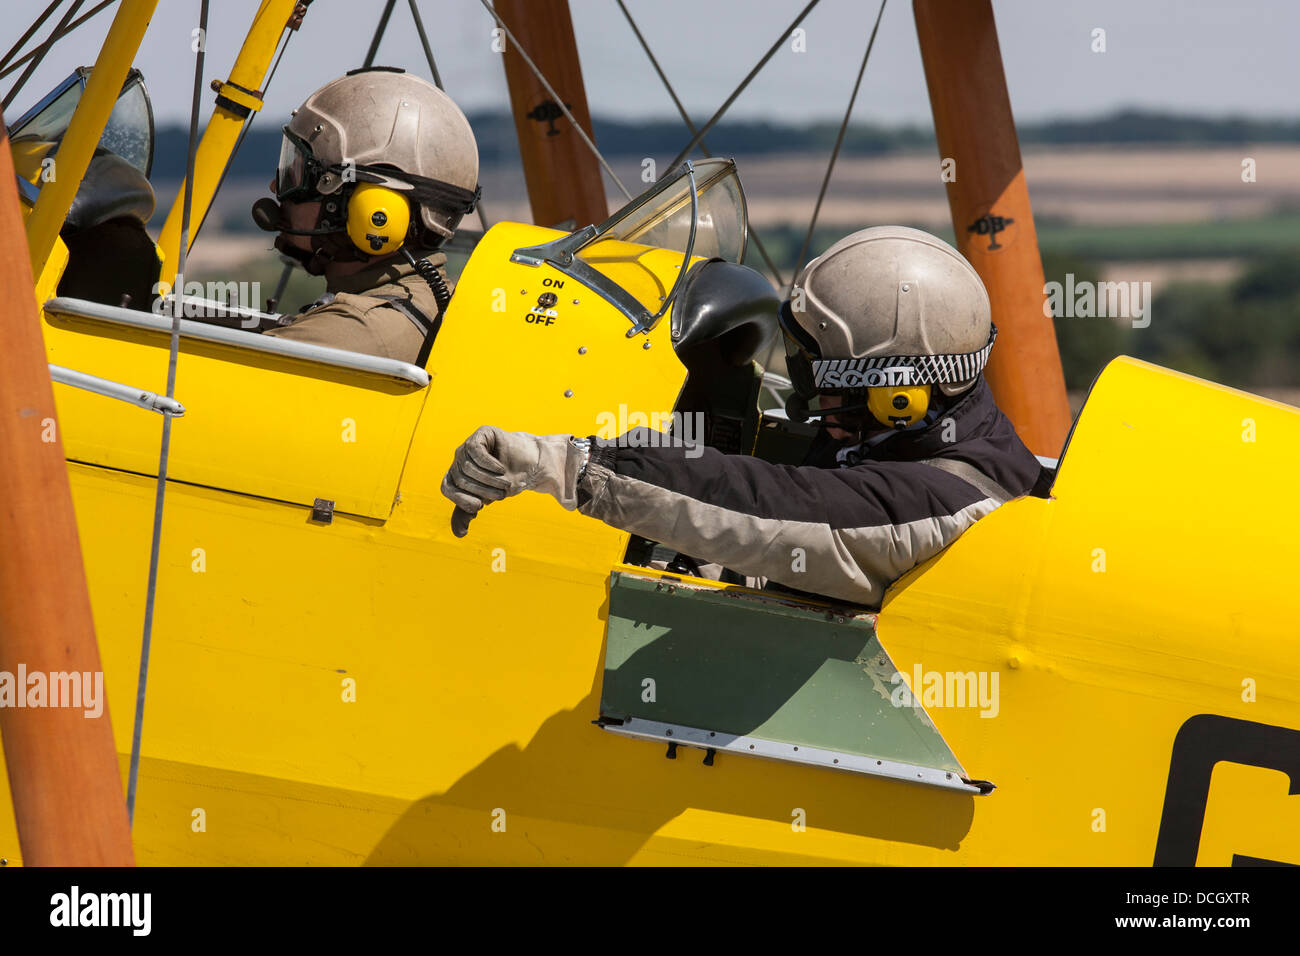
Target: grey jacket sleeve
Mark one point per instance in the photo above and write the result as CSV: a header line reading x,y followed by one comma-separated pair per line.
x,y
846,533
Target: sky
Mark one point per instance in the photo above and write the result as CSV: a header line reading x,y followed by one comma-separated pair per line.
x,y
1190,56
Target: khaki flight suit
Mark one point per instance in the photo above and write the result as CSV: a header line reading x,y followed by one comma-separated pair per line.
x,y
352,315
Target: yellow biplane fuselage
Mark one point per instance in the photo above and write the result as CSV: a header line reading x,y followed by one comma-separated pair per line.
x,y
373,689
376,690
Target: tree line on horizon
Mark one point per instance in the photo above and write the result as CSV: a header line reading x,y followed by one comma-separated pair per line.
x,y
495,133
1244,333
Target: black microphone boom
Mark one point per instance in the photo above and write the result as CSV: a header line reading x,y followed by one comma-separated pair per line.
x,y
268,216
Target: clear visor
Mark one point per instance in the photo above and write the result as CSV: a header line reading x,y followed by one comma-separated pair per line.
x,y
798,354
798,363
291,171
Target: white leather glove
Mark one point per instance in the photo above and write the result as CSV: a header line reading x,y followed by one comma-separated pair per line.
x,y
493,464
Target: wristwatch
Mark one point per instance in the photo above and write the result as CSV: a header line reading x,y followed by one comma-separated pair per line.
x,y
583,445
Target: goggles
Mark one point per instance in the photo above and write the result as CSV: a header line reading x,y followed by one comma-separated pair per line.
x,y
800,352
298,171
298,175
811,373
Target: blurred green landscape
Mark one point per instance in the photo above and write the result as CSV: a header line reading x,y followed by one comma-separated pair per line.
x,y
1132,197
1244,332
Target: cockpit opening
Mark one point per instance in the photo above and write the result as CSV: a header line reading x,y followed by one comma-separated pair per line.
x,y
111,257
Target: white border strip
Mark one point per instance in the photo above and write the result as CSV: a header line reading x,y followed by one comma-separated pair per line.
x,y
791,753
339,358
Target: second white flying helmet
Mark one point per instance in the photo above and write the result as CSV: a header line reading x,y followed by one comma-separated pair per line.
x,y
887,305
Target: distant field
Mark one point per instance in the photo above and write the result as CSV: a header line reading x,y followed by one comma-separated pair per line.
x,y
1173,240
1158,216
1161,272
1079,185
1103,203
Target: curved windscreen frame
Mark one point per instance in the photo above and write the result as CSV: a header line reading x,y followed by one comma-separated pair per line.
x,y
657,217
699,210
129,132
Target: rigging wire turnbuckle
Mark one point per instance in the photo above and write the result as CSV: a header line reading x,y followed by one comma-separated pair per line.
x,y
295,18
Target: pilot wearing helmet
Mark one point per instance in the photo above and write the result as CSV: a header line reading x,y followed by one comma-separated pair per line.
x,y
891,328
376,170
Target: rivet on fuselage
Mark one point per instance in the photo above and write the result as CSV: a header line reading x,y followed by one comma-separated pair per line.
x,y
582,350
568,393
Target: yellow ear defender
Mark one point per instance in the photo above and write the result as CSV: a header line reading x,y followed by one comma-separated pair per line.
x,y
898,405
378,218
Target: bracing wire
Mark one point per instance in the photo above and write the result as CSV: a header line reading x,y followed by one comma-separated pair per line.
x,y
704,130
230,160
758,243
39,54
437,81
177,307
379,33
424,42
577,127
59,35
839,140
31,30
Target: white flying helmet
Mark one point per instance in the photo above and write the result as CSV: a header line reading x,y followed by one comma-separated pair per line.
x,y
887,306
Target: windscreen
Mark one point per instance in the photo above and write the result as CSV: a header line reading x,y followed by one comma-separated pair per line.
x,y
641,246
664,221
637,258
129,132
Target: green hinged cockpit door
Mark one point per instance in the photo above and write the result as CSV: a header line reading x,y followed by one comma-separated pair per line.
x,y
741,671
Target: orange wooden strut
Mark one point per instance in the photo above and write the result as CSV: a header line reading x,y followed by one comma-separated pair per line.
x,y
990,212
563,177
64,774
